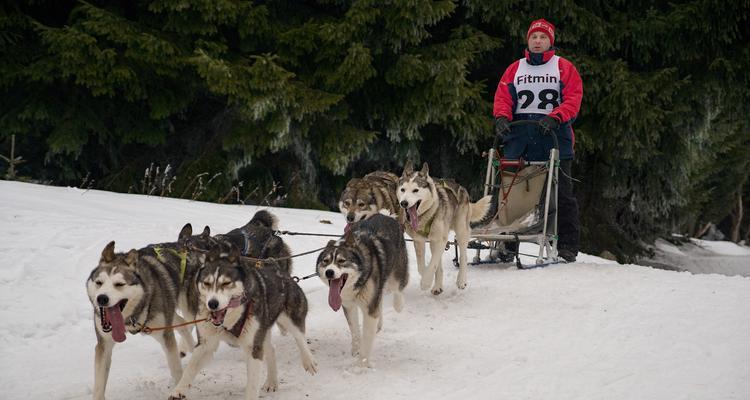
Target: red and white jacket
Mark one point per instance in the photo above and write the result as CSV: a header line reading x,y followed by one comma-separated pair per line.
x,y
571,88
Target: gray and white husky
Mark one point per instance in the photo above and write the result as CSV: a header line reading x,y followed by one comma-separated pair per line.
x,y
434,207
241,299
359,268
138,289
366,196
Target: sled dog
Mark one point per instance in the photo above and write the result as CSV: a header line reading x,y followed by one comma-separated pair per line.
x,y
241,300
138,289
256,239
365,197
359,268
433,208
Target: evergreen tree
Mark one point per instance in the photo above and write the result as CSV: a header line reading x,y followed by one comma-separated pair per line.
x,y
306,95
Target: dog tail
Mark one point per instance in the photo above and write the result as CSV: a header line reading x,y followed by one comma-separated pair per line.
x,y
266,219
483,211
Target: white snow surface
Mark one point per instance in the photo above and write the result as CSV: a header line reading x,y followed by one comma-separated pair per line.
x,y
587,330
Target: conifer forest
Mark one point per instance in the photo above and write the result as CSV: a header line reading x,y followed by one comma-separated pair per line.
x,y
282,102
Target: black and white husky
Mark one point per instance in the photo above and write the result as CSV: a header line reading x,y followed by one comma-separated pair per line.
x,y
241,299
434,207
359,268
258,239
138,289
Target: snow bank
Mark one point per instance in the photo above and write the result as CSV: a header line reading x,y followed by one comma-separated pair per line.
x,y
589,330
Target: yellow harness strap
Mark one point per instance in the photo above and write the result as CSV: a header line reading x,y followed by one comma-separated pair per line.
x,y
181,254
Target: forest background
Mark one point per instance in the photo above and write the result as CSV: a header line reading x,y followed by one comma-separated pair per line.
x,y
282,102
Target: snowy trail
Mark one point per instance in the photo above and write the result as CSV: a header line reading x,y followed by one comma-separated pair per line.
x,y
588,330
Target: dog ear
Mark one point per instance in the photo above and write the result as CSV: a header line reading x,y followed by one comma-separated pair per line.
x,y
408,168
108,254
234,253
206,232
132,257
331,243
425,170
186,231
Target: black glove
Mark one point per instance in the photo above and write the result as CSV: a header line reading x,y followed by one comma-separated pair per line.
x,y
548,125
502,126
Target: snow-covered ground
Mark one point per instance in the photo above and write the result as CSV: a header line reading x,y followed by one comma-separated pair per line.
x,y
702,257
588,330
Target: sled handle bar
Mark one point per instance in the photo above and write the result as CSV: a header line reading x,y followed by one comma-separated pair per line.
x,y
499,138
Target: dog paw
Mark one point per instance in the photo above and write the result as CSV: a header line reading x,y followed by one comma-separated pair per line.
x,y
425,284
271,386
437,291
177,396
461,285
364,363
310,366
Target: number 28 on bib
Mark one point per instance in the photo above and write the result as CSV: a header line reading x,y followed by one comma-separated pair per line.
x,y
537,87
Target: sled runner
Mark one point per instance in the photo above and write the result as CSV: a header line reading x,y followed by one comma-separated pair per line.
x,y
526,197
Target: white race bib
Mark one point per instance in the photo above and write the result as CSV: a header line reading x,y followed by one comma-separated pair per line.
x,y
537,87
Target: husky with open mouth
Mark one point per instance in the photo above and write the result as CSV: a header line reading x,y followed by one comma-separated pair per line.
x,y
359,269
134,290
434,207
241,299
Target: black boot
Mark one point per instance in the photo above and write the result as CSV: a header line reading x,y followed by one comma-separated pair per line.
x,y
567,254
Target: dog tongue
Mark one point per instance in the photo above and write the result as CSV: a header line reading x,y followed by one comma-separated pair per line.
x,y
413,217
118,324
347,228
334,293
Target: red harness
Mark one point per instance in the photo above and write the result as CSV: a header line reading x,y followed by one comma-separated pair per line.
x,y
236,330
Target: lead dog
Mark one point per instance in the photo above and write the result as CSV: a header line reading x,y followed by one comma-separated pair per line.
x,y
133,290
359,268
241,299
434,207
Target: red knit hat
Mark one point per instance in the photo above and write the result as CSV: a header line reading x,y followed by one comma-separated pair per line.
x,y
542,25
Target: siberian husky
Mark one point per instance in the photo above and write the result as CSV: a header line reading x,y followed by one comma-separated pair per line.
x,y
134,290
241,300
434,207
256,239
369,260
366,196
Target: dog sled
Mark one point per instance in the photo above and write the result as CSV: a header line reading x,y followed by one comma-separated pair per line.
x,y
525,193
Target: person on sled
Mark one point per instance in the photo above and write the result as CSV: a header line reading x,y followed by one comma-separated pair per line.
x,y
544,87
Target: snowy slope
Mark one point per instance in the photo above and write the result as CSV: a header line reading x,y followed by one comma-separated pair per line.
x,y
588,330
700,257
